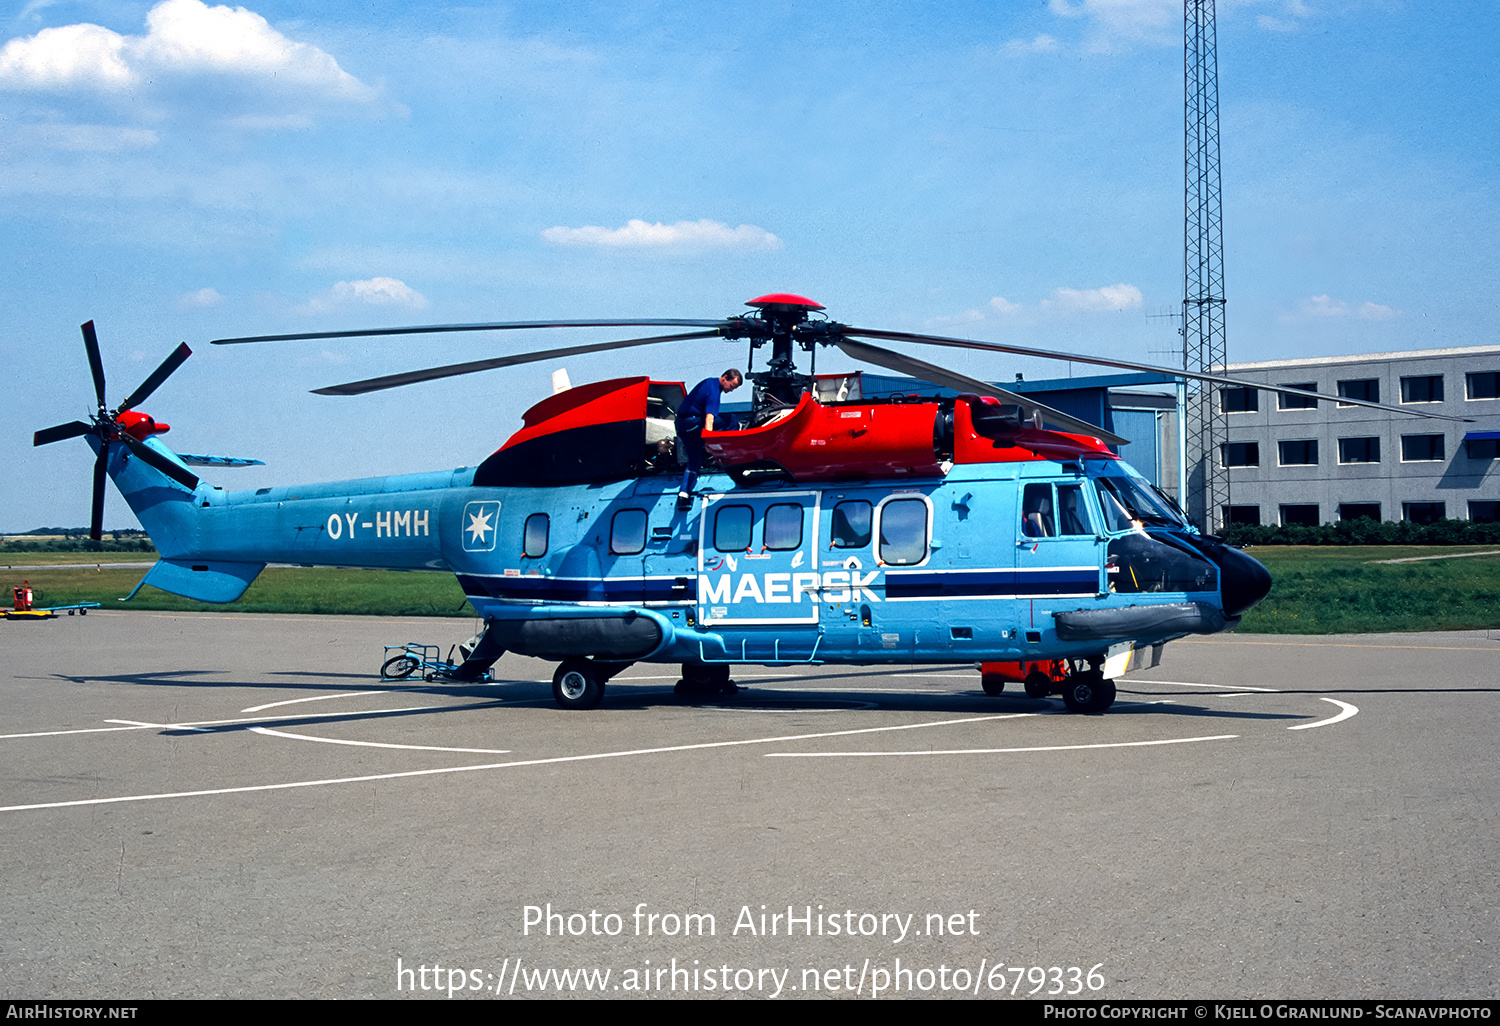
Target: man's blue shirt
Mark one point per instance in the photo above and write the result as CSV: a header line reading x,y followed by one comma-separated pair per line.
x,y
701,403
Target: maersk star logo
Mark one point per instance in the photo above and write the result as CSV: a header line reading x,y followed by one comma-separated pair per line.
x,y
479,526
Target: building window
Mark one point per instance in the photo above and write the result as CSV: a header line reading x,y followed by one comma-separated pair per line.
x,y
1298,402
1359,511
1484,511
1366,389
1482,385
1238,400
1482,448
1242,515
1239,454
1426,388
1421,448
534,536
1359,450
1423,512
1301,452
1300,515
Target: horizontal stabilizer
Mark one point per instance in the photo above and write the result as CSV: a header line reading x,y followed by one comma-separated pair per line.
x,y
206,582
218,461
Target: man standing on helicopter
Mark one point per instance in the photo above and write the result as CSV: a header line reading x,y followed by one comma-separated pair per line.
x,y
695,416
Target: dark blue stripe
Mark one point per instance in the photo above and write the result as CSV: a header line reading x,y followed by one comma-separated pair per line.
x,y
552,589
996,583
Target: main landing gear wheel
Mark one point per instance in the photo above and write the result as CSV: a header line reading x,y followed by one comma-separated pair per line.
x,y
992,683
577,684
1088,693
399,667
1037,684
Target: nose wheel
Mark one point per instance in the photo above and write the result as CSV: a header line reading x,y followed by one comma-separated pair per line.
x,y
1088,693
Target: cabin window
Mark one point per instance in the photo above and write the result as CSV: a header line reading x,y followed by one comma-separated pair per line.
x,y
534,537
783,527
627,532
851,524
903,532
1036,512
1072,514
732,526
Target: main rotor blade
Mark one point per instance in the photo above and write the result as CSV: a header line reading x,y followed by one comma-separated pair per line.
x,y
439,329
1177,372
452,370
96,365
96,517
146,454
942,376
170,364
73,429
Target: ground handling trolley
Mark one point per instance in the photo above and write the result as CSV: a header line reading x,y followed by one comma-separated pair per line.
x,y
402,661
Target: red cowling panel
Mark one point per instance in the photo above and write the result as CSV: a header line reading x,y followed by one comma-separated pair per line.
x,y
1029,444
832,442
784,299
140,425
600,402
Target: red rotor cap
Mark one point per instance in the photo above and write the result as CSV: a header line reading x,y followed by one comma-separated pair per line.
x,y
784,299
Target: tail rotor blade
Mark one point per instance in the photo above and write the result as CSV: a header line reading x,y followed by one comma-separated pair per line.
x,y
96,520
73,429
148,455
96,365
170,364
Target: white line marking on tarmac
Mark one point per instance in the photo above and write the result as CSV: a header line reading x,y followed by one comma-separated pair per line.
x,y
1348,711
84,730
497,765
376,744
1194,684
199,724
319,698
998,751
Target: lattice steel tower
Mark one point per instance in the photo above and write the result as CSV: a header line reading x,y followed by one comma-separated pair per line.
x,y
1203,343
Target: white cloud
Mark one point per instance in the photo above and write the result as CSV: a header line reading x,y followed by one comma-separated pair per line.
x,y
203,298
688,235
1318,308
1063,302
73,55
1043,43
1109,297
371,292
185,37
1112,22
85,138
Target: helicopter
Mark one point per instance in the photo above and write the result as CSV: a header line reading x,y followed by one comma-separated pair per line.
x,y
830,527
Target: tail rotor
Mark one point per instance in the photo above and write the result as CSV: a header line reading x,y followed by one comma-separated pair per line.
x,y
120,426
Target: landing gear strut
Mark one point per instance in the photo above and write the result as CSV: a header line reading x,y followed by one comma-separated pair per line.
x,y
703,679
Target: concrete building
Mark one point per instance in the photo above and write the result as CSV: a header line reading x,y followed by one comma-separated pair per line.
x,y
1309,461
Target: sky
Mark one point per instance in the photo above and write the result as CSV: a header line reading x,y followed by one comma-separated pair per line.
x,y
1012,171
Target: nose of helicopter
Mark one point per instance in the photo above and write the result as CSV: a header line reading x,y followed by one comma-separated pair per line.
x,y
1243,581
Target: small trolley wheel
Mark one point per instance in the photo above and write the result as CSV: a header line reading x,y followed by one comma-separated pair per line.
x,y
1037,684
992,683
577,684
399,667
1088,693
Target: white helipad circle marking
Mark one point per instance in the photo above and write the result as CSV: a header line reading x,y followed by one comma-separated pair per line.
x,y
375,744
1348,711
999,751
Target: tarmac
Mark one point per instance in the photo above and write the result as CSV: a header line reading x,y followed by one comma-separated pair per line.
x,y
234,805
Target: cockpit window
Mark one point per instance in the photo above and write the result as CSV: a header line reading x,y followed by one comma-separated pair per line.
x,y
1125,499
